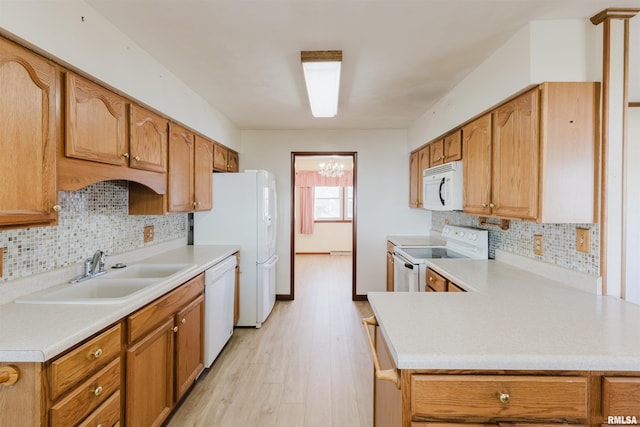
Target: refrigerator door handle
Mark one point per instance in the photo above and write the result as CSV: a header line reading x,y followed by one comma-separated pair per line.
x,y
271,263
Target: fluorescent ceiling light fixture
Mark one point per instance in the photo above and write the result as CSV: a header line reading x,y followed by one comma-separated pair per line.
x,y
322,75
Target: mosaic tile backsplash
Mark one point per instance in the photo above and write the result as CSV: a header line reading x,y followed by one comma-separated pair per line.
x,y
559,240
94,217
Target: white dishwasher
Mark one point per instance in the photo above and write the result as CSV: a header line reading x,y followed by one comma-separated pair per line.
x,y
219,283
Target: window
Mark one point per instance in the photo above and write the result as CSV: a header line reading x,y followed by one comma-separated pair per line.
x,y
333,203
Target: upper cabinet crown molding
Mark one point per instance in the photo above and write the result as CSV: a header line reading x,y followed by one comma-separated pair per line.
x,y
614,13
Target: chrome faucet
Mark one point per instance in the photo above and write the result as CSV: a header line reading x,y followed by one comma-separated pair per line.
x,y
93,267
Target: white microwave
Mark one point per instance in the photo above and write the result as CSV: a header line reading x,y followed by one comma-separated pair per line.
x,y
442,187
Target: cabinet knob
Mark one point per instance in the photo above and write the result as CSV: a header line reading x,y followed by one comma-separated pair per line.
x,y
183,321
441,157
484,205
504,397
56,208
97,391
175,329
431,279
136,158
125,155
196,203
491,205
97,353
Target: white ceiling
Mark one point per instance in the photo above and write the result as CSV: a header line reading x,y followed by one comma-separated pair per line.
x,y
399,56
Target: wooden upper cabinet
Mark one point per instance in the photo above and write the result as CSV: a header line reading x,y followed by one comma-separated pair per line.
x,y
220,154
477,166
436,153
147,140
234,161
181,167
95,122
534,157
203,180
452,146
27,138
414,166
516,158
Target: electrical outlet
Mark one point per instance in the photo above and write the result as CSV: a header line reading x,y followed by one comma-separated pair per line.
x,y
582,240
538,244
148,234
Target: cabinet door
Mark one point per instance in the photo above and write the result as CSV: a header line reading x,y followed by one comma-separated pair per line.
x,y
387,398
95,123
390,267
27,137
477,166
148,140
414,165
220,162
436,153
149,384
423,156
189,345
435,281
452,147
202,174
234,161
180,181
516,158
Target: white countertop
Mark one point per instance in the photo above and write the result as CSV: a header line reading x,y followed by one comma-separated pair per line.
x,y
38,332
416,240
509,319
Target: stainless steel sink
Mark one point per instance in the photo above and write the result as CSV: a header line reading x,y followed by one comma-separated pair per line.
x,y
117,286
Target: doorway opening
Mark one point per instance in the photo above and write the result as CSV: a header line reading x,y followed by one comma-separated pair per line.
x,y
323,208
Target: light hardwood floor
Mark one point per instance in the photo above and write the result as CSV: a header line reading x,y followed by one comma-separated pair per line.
x,y
309,365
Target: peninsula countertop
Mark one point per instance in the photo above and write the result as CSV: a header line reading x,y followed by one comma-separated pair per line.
x,y
508,319
38,332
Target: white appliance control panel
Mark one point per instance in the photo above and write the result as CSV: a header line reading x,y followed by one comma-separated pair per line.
x,y
467,240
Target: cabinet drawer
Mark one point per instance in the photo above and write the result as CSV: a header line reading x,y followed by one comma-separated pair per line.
x,y
107,415
81,362
452,287
478,398
436,281
149,317
620,396
86,397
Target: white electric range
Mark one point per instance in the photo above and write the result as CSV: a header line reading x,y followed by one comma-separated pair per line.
x,y
410,270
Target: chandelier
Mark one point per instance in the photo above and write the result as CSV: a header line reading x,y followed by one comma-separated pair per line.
x,y
331,169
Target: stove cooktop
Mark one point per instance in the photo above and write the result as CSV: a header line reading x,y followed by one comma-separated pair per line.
x,y
422,253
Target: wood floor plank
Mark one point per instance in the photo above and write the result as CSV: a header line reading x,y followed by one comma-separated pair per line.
x,y
309,365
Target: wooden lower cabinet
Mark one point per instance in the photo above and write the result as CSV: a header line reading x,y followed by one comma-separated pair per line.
x,y
472,398
165,353
390,267
149,390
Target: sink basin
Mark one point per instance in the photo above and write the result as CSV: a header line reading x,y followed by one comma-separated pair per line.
x,y
144,271
115,287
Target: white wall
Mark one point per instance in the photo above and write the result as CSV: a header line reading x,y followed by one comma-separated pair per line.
x,y
327,237
560,50
382,191
633,207
98,48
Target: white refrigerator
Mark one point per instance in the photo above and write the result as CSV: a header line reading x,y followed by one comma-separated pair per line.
x,y
244,213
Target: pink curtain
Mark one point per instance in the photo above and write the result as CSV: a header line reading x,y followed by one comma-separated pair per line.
x,y
305,181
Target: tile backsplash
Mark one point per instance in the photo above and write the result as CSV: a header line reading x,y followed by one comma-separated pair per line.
x,y
559,240
94,217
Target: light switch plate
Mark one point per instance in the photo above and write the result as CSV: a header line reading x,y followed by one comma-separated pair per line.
x,y
582,240
538,244
148,234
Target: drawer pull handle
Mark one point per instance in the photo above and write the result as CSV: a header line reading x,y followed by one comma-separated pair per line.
x,y
96,354
505,398
388,374
9,375
97,391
